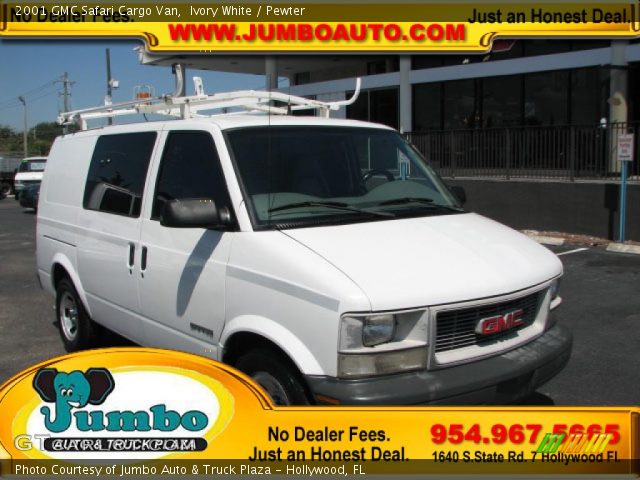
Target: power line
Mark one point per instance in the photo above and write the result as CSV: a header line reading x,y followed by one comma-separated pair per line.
x,y
42,96
15,103
64,79
31,100
28,92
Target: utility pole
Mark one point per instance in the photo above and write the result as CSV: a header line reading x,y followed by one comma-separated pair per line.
x,y
24,127
112,84
66,92
109,99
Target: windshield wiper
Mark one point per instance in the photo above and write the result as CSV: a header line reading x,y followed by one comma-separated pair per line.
x,y
336,205
448,207
400,201
422,200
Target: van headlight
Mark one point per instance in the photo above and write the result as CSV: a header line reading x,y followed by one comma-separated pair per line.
x,y
378,329
382,343
554,288
554,302
554,293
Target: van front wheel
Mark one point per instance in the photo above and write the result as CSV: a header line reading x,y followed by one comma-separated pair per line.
x,y
76,328
279,379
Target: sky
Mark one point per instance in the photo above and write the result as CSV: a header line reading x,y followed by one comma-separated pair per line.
x,y
30,67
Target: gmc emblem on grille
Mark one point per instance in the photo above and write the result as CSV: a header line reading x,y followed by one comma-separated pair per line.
x,y
500,323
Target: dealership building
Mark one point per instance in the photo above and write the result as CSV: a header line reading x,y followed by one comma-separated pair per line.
x,y
524,82
531,121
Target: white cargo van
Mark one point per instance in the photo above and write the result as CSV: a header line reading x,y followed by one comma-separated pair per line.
x,y
30,172
323,257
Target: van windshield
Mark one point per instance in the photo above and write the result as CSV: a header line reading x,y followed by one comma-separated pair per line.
x,y
36,165
303,176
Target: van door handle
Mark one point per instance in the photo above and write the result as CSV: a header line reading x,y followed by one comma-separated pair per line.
x,y
132,257
143,261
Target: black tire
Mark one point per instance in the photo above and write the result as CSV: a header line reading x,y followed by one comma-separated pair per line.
x,y
77,330
275,375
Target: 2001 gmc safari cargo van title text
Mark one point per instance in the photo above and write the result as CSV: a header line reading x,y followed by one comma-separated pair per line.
x,y
322,257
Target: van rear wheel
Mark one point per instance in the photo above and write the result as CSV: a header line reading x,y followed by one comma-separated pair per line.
x,y
76,328
275,375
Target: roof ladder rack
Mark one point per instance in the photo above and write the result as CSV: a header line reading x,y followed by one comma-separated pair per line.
x,y
186,107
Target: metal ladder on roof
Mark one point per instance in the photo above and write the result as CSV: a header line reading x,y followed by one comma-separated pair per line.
x,y
187,107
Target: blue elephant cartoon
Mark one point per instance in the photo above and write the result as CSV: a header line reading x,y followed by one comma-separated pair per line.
x,y
70,390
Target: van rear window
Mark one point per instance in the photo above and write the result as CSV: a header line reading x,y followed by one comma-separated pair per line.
x,y
117,173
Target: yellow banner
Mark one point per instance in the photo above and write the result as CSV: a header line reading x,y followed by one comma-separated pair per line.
x,y
139,411
317,27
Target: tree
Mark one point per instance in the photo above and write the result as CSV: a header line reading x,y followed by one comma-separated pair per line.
x,y
39,139
10,140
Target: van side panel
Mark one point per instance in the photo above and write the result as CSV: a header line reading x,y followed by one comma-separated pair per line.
x,y
60,202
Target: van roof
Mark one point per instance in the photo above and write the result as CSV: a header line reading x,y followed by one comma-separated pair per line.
x,y
229,121
241,120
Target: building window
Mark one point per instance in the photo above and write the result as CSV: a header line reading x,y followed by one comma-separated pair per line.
x,y
589,44
460,104
384,65
383,107
502,101
546,100
589,93
359,110
427,106
418,62
302,78
380,106
545,47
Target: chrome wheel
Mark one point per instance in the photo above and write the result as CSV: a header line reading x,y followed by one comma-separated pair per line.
x,y
68,316
273,387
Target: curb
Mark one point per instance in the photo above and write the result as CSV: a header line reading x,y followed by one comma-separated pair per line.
x,y
556,241
623,248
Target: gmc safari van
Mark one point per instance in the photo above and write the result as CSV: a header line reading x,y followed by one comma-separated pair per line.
x,y
323,257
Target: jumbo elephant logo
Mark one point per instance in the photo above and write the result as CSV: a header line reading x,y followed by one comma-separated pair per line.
x,y
76,390
71,390
126,403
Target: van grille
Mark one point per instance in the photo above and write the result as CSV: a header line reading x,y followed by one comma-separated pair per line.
x,y
456,328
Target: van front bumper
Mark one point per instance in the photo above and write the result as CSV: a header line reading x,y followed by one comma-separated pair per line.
x,y
502,379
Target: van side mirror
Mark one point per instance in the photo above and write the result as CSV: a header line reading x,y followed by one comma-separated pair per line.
x,y
195,213
460,194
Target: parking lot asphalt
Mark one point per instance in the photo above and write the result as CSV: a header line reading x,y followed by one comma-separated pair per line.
x,y
600,289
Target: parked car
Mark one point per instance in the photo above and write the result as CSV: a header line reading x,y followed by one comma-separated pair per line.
x,y
30,172
29,196
323,257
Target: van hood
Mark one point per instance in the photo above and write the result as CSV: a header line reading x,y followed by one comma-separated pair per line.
x,y
415,262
